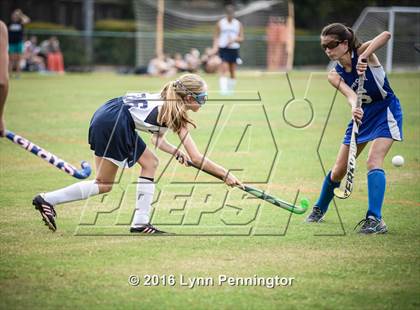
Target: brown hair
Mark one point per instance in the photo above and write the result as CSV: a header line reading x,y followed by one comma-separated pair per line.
x,y
342,33
230,10
174,112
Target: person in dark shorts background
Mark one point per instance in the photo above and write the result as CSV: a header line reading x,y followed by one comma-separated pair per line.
x,y
15,28
227,38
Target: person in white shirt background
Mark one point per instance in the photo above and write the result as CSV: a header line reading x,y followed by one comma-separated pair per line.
x,y
227,38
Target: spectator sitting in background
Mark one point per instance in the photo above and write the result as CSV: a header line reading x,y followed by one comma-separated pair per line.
x,y
43,50
31,58
161,66
170,64
210,60
193,60
155,66
180,64
55,62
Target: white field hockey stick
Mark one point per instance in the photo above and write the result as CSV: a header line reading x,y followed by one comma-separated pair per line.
x,y
49,157
346,191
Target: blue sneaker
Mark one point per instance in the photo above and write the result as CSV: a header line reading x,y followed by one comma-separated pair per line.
x,y
316,216
371,225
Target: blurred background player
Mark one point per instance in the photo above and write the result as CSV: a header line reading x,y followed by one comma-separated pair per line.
x,y
276,33
380,118
227,38
113,138
4,74
18,19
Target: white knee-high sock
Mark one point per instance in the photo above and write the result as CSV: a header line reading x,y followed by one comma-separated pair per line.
x,y
78,191
231,84
223,84
144,198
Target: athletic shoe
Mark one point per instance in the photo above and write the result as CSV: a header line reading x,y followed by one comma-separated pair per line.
x,y
146,229
372,225
47,211
316,216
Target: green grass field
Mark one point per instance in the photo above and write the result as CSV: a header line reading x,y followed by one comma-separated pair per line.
x,y
87,262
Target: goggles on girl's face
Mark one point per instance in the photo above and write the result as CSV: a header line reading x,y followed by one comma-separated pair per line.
x,y
201,98
331,45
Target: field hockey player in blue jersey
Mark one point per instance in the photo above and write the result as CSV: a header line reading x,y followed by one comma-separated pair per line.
x,y
115,143
379,118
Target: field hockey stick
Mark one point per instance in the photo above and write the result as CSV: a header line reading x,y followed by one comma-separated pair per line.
x,y
304,203
345,192
49,157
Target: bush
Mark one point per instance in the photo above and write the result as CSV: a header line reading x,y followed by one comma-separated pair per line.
x,y
47,26
114,51
121,25
309,52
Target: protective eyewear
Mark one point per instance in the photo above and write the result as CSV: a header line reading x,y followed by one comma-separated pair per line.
x,y
331,45
201,98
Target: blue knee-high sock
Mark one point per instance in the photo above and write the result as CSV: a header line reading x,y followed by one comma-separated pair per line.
x,y
327,193
376,192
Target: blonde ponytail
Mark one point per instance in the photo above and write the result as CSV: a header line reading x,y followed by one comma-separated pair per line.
x,y
174,111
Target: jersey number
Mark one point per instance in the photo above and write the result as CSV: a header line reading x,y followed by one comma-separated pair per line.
x,y
366,98
135,101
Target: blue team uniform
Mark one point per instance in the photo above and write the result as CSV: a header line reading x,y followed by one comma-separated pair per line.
x,y
382,110
382,118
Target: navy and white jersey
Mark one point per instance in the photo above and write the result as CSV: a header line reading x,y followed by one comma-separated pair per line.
x,y
144,109
228,31
382,114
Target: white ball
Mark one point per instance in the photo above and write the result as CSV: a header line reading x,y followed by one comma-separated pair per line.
x,y
398,160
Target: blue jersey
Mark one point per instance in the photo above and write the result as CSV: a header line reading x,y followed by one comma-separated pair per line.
x,y
376,83
382,111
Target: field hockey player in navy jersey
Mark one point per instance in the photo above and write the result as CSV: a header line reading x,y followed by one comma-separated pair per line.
x,y
115,143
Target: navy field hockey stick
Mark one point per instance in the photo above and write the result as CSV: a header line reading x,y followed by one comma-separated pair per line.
x,y
304,204
345,192
49,157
